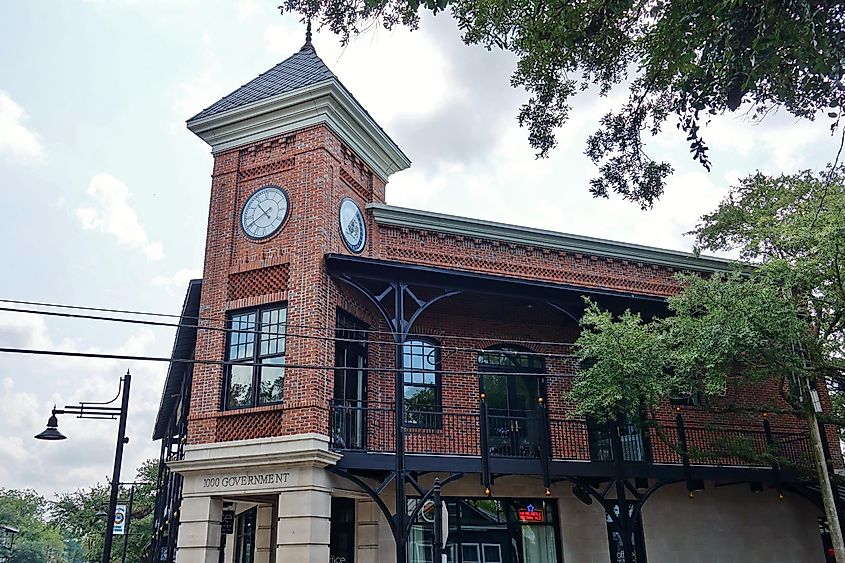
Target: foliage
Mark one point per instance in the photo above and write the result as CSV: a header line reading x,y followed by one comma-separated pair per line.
x,y
721,327
681,60
38,540
623,365
75,514
782,320
794,228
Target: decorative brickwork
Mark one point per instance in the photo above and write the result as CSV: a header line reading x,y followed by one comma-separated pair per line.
x,y
267,169
255,425
495,257
255,283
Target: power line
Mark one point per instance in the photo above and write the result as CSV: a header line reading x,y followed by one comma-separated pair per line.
x,y
297,326
288,334
102,356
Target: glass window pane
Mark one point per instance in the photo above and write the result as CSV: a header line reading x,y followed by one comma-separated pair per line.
x,y
240,386
493,554
272,332
272,380
240,343
420,386
471,553
419,398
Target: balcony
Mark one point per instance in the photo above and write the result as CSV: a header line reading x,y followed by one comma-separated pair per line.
x,y
455,438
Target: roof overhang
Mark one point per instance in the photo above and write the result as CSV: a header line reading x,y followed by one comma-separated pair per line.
x,y
183,349
326,102
477,228
572,297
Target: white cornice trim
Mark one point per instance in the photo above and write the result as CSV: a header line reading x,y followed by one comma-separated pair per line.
x,y
477,228
326,102
299,449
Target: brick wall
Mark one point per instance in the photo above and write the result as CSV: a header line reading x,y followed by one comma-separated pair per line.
x,y
317,171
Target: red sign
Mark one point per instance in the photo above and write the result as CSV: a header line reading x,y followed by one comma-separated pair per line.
x,y
526,515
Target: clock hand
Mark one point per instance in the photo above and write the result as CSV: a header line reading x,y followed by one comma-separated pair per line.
x,y
267,213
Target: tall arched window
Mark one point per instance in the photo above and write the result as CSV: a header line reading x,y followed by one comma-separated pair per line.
x,y
422,382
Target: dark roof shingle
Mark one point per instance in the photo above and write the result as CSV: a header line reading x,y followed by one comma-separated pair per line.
x,y
301,69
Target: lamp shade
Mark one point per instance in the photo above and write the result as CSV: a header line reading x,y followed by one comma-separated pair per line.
x,y
52,430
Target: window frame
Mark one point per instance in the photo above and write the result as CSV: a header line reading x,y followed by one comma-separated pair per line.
x,y
437,411
257,357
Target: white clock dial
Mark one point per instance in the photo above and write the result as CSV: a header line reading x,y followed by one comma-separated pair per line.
x,y
352,226
264,212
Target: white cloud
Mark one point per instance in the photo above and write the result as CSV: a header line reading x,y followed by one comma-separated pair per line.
x,y
247,9
86,456
415,60
22,330
14,136
113,215
19,409
178,281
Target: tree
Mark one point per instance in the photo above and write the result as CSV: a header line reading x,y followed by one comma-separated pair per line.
x,y
681,60
38,541
75,513
780,322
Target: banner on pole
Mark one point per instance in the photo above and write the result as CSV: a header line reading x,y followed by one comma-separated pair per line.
x,y
119,527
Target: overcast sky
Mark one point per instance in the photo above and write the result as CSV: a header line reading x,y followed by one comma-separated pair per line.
x,y
105,192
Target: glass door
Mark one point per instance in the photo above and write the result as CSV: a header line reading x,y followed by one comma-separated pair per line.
x,y
512,382
349,412
350,395
632,443
514,421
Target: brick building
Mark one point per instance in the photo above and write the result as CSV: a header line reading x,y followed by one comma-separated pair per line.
x,y
343,354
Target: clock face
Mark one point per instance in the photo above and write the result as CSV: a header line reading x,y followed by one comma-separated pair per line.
x,y
352,226
264,212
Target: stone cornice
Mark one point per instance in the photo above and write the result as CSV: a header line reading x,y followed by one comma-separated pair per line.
x,y
389,215
327,102
301,449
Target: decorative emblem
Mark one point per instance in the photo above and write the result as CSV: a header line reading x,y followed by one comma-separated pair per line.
x,y
352,226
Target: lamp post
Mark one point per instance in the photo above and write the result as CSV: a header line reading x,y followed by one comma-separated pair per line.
x,y
100,411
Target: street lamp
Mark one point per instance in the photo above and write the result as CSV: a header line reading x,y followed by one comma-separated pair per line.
x,y
100,411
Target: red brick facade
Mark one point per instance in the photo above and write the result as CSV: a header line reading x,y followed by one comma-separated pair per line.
x,y
317,171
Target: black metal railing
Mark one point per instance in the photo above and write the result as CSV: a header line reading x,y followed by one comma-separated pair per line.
x,y
458,431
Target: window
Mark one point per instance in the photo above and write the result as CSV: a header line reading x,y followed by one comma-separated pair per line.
x,y
510,358
249,384
490,531
422,383
693,399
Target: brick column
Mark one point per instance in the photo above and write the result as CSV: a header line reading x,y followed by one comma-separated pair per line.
x,y
199,530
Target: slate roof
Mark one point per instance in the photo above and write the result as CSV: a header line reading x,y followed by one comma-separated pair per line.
x,y
303,68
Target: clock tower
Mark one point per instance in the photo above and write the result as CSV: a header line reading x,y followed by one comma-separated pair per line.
x,y
297,160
